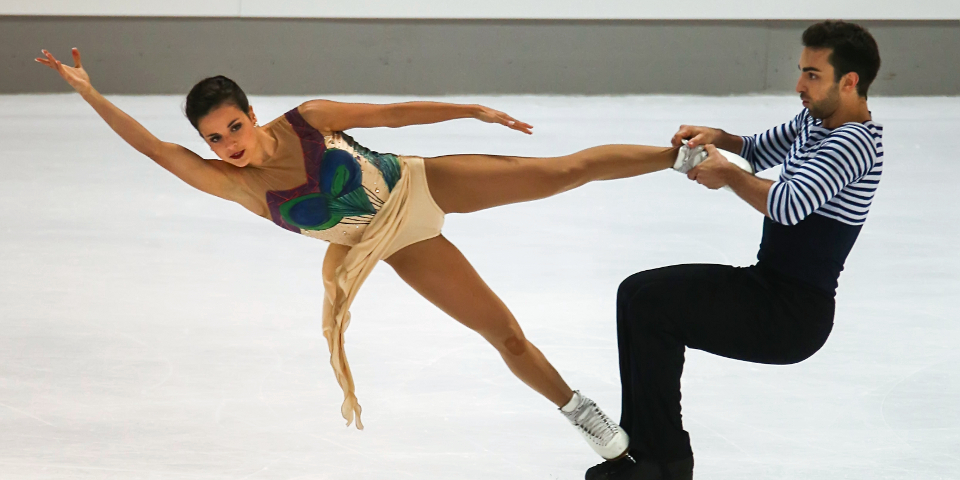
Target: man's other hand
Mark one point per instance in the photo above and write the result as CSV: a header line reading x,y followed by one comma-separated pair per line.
x,y
715,171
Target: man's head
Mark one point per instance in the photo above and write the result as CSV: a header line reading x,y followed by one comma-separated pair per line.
x,y
839,62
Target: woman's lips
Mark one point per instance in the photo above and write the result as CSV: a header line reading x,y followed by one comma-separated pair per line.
x,y
236,156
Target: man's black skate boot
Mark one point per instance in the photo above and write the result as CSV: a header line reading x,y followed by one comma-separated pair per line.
x,y
627,468
613,469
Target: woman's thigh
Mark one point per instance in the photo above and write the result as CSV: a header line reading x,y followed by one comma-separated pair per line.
x,y
437,270
468,183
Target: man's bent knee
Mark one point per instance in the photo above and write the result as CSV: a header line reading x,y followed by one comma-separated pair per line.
x,y
644,305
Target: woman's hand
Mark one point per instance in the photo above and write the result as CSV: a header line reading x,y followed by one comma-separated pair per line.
x,y
76,76
490,115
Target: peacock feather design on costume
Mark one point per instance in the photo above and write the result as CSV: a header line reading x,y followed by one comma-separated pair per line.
x,y
341,195
333,193
388,164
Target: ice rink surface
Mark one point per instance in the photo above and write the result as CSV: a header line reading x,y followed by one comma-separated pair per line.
x,y
149,331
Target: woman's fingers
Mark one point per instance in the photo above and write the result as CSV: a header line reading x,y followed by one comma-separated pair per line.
x,y
54,63
518,125
514,123
493,116
76,58
75,76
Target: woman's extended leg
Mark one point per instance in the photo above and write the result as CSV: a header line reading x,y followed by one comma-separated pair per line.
x,y
437,270
467,183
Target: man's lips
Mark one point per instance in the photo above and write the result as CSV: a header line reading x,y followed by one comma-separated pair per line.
x,y
236,156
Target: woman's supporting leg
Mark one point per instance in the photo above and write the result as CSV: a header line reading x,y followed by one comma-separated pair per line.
x,y
437,270
467,183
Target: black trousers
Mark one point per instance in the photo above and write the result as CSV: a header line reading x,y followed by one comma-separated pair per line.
x,y
753,314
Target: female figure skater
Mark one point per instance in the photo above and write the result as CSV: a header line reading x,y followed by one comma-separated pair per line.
x,y
304,174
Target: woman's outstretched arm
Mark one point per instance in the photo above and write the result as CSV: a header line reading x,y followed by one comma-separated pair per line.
x,y
329,116
186,165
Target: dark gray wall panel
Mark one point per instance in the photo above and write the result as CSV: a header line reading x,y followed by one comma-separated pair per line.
x,y
321,56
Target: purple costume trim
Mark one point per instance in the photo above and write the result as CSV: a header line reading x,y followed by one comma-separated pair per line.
x,y
311,142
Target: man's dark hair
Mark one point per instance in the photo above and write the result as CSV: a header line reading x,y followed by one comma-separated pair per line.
x,y
211,93
853,50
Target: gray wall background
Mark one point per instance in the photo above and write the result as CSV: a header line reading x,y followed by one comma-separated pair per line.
x,y
137,55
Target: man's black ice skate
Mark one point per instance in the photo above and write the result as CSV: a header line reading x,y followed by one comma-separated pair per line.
x,y
627,468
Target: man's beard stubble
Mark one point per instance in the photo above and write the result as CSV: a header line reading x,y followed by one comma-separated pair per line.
x,y
826,107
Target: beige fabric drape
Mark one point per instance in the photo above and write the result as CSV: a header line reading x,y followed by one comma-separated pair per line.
x,y
344,270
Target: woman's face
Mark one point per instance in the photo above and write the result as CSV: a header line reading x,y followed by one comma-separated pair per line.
x,y
230,134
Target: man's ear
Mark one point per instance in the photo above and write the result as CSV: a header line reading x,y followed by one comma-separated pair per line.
x,y
849,81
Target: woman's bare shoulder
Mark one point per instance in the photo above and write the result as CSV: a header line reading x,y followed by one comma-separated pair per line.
x,y
243,189
318,113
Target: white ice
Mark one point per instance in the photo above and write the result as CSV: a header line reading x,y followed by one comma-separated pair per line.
x,y
149,331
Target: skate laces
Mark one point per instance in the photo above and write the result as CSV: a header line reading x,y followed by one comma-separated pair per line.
x,y
592,421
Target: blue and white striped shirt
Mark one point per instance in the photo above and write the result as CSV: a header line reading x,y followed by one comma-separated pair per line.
x,y
833,173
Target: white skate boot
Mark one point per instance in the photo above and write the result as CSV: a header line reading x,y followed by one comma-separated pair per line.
x,y
604,435
691,157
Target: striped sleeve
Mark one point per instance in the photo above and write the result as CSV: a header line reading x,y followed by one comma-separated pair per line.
x,y
769,149
843,158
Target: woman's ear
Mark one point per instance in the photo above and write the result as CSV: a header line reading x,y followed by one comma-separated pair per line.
x,y
253,116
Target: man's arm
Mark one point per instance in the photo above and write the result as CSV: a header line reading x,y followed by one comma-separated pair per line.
x,y
752,189
763,151
843,158
695,136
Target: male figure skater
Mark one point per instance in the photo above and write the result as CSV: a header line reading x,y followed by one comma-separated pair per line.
x,y
779,311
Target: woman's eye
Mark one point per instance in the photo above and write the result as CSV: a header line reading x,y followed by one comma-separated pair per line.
x,y
236,127
214,139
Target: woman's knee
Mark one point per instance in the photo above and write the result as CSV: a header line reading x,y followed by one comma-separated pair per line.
x,y
572,171
507,339
559,174
515,344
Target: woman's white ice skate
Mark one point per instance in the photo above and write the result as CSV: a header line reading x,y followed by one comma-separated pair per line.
x,y
688,158
604,435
